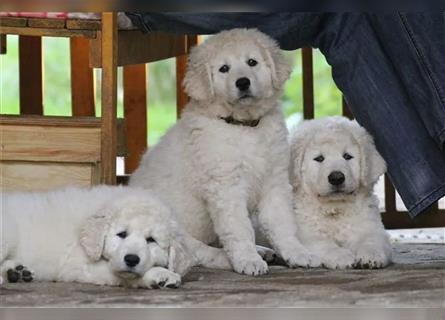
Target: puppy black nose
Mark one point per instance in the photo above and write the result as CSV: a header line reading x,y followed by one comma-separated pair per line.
x,y
336,178
131,260
243,84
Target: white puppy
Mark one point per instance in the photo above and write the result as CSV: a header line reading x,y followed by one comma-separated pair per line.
x,y
104,235
228,156
334,166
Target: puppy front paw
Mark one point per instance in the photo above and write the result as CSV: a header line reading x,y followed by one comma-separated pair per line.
x,y
302,258
338,258
368,257
158,277
19,273
253,266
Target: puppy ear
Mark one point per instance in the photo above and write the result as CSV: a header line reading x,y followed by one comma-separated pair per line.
x,y
298,141
198,83
92,235
372,165
275,60
180,258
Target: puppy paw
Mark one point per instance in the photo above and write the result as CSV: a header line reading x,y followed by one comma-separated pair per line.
x,y
253,266
19,273
338,258
267,254
371,258
157,277
302,258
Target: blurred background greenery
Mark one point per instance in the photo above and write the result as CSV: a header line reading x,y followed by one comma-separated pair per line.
x,y
162,87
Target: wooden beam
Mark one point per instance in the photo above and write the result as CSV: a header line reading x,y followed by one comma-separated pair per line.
x,y
346,111
48,32
390,196
109,97
135,113
31,76
3,42
82,79
308,83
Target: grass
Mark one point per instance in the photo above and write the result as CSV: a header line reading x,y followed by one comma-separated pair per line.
x,y
162,93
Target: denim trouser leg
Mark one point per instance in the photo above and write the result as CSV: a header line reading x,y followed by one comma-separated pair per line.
x,y
396,93
391,69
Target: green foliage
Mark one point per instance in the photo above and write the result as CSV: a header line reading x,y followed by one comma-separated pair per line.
x,y
161,84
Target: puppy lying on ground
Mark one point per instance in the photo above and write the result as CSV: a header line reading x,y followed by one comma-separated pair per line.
x,y
104,235
227,158
334,166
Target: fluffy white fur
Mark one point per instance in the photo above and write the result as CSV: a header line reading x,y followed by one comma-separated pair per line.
x,y
72,235
216,174
341,224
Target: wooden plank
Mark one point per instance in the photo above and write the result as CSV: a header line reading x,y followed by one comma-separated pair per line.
x,y
77,24
109,38
135,47
345,109
13,22
3,42
42,176
31,76
401,220
50,143
82,79
135,113
181,67
390,196
308,83
47,32
46,23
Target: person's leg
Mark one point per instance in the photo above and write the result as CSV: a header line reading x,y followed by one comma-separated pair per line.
x,y
391,71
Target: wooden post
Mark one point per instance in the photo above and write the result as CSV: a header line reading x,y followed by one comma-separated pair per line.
x,y
390,197
82,79
181,66
345,109
109,97
308,83
2,43
135,113
31,79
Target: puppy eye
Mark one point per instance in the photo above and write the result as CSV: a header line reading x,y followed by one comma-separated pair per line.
x,y
122,234
319,158
347,156
150,240
225,68
252,62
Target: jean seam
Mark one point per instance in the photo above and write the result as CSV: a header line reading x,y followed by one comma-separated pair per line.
x,y
425,198
423,61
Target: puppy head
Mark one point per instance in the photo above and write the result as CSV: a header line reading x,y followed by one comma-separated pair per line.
x,y
239,67
134,233
333,157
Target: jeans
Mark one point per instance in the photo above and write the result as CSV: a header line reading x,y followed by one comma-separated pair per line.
x,y
390,68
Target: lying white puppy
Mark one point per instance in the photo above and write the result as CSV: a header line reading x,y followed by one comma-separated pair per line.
x,y
104,235
334,166
228,156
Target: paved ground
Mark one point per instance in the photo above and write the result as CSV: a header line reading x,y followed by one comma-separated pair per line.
x,y
416,279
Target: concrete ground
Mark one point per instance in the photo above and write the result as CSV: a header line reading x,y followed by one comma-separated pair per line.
x,y
416,279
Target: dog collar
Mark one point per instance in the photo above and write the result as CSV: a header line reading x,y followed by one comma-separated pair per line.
x,y
246,123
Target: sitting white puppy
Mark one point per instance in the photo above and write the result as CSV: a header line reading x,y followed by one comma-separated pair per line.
x,y
228,156
104,235
334,166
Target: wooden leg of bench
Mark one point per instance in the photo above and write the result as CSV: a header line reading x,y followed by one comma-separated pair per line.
x,y
2,43
135,113
308,83
31,80
109,97
82,80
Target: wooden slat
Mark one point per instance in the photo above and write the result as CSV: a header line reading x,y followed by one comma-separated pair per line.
x,y
308,83
181,66
390,196
3,42
82,79
30,68
135,113
135,47
76,24
46,23
48,32
345,109
13,22
43,176
109,38
401,220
